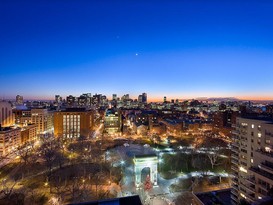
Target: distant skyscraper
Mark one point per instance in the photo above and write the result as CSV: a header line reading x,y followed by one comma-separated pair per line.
x,y
19,100
114,97
165,99
58,99
127,97
88,99
97,99
87,94
140,98
70,100
144,97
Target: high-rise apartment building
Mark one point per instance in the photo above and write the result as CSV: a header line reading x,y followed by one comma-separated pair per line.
x,y
19,100
252,159
112,121
73,123
6,115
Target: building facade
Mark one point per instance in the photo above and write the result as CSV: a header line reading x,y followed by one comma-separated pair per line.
x,y
6,115
29,133
252,159
10,139
112,122
44,120
22,116
73,123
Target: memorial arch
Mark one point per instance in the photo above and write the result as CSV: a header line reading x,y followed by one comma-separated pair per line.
x,y
145,163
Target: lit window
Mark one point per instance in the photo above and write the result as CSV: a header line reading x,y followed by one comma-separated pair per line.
x,y
259,135
242,195
267,149
242,169
252,161
252,126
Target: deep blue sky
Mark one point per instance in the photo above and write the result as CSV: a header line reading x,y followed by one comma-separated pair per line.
x,y
178,49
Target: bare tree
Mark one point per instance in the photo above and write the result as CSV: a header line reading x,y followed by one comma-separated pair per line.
x,y
213,148
24,152
48,152
7,188
59,187
27,157
73,188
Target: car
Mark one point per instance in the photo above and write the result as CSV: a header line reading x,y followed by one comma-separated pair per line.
x,y
146,145
126,145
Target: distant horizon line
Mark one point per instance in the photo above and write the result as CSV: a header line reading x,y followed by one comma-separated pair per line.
x,y
168,99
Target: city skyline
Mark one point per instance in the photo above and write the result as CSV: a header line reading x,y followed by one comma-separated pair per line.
x,y
178,49
149,99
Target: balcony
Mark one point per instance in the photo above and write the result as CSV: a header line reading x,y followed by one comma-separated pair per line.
x,y
235,180
235,145
251,188
244,160
235,132
251,180
264,187
268,156
235,187
235,174
234,199
261,172
267,167
234,161
234,156
251,197
234,193
234,168
235,151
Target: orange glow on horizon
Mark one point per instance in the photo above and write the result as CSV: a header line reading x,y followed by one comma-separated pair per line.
x,y
169,98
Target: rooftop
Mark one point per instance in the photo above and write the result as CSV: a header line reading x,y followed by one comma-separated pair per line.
x,y
220,197
4,129
74,110
132,200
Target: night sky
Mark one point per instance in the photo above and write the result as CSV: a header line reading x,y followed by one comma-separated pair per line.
x,y
179,49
